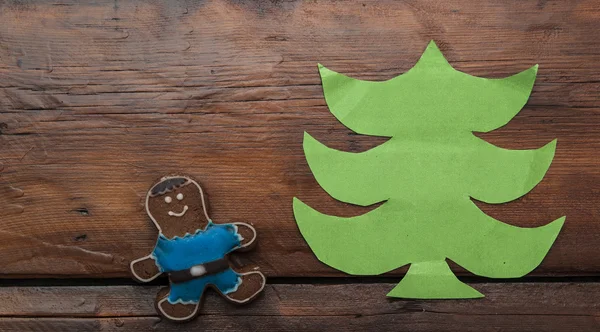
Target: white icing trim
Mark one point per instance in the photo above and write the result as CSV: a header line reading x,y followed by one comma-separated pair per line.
x,y
180,301
188,234
234,288
190,316
139,260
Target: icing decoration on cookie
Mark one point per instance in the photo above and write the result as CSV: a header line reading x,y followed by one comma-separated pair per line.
x,y
193,251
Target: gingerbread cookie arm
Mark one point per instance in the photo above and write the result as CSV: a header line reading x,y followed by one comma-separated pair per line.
x,y
248,236
144,269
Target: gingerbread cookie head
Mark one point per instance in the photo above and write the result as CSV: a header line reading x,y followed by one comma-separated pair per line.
x,y
176,206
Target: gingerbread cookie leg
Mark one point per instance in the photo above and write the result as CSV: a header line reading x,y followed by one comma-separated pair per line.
x,y
250,285
185,295
178,312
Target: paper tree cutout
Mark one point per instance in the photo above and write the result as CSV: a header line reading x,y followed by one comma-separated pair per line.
x,y
426,174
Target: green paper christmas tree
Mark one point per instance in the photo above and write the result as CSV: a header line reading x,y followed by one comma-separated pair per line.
x,y
426,175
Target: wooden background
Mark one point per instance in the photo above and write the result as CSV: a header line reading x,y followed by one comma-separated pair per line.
x,y
100,98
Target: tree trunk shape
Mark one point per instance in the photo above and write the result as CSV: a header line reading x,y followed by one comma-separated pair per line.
x,y
432,280
426,175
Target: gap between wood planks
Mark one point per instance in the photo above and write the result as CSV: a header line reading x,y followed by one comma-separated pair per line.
x,y
162,281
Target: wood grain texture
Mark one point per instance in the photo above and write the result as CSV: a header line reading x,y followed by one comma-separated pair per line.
x,y
292,307
98,99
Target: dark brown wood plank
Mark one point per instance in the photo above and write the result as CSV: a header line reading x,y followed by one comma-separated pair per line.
x,y
411,322
98,99
291,307
549,298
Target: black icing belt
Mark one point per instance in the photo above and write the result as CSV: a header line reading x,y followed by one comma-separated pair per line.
x,y
213,267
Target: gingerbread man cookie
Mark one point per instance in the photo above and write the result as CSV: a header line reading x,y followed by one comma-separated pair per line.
x,y
193,251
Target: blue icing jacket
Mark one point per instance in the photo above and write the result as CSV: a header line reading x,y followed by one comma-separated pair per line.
x,y
180,253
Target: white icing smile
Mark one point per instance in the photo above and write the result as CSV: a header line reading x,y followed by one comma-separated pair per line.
x,y
180,214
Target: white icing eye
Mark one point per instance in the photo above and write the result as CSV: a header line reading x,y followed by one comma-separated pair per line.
x,y
180,196
168,199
